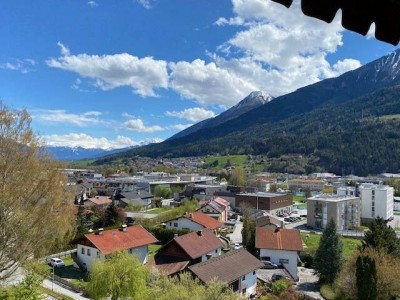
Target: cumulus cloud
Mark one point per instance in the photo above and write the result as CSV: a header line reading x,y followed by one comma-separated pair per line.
x,y
194,114
143,75
64,117
139,126
208,83
147,4
22,65
93,3
86,141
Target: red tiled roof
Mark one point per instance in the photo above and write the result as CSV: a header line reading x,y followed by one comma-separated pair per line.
x,y
228,267
204,220
222,201
196,244
114,240
282,239
100,200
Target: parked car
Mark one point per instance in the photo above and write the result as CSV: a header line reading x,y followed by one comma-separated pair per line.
x,y
277,276
237,246
57,262
269,265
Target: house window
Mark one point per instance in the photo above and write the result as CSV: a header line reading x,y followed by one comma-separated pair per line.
x,y
88,252
244,291
216,250
254,272
283,261
175,224
244,277
170,223
98,254
83,251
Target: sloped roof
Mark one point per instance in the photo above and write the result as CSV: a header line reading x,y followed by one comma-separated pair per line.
x,y
114,240
202,219
139,194
228,267
278,239
168,267
100,200
221,201
196,244
358,15
267,220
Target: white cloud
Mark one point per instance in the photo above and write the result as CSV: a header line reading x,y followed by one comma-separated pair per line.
x,y
138,126
89,142
143,75
147,4
208,83
194,114
232,21
93,3
179,127
62,116
22,65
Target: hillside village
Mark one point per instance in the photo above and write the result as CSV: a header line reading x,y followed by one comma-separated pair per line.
x,y
176,223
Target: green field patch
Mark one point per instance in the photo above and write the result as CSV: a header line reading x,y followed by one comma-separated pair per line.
x,y
158,210
226,160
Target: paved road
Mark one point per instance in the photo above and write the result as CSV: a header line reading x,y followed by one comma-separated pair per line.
x,y
59,289
236,236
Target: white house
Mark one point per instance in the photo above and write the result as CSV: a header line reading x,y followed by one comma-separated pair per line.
x,y
193,221
376,201
94,246
237,268
280,246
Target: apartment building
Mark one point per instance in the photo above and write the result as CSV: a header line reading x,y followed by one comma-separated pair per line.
x,y
344,210
377,201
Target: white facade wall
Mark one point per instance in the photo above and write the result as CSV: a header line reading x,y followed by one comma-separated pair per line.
x,y
183,223
248,282
282,257
87,255
376,201
396,204
214,253
346,191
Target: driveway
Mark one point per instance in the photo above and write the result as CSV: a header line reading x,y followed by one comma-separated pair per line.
x,y
308,283
236,236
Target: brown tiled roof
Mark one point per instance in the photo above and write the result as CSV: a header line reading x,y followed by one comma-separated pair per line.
x,y
168,268
204,220
228,267
222,201
358,15
100,200
114,240
282,239
196,244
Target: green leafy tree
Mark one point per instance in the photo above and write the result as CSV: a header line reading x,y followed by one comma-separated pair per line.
x,y
238,178
93,192
120,276
381,236
35,207
111,216
164,192
328,259
81,221
366,278
248,231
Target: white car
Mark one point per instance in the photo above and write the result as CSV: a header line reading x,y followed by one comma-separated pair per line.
x,y
57,262
237,246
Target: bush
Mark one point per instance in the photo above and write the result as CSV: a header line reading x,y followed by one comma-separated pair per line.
x,y
307,259
165,235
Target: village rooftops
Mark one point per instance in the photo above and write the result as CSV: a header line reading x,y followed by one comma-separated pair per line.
x,y
262,194
109,241
100,200
278,239
227,267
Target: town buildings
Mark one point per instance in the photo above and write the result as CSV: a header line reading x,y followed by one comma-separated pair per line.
x,y
272,203
377,201
344,210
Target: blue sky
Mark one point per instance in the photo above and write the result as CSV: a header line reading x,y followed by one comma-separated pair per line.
x,y
111,74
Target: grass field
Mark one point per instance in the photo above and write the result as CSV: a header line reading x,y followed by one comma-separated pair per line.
x,y
159,210
349,244
235,160
153,250
390,117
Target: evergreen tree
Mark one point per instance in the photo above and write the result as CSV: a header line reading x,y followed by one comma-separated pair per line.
x,y
111,216
366,278
381,236
329,256
249,232
81,221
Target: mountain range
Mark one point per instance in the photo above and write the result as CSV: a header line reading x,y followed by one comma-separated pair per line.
x,y
77,153
345,124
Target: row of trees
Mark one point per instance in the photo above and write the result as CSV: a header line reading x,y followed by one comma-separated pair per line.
x,y
371,273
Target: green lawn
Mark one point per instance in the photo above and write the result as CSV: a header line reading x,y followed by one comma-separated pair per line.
x,y
299,198
159,210
69,273
153,249
235,160
301,206
349,244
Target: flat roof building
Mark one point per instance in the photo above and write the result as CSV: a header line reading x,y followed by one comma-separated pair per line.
x,y
272,203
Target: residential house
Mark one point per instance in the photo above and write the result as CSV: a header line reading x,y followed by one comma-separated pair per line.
x,y
95,246
280,246
269,222
186,250
217,208
134,198
98,201
194,221
237,268
302,184
344,210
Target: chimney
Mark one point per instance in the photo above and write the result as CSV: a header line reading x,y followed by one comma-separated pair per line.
x,y
200,232
124,228
277,229
101,231
191,216
175,235
90,230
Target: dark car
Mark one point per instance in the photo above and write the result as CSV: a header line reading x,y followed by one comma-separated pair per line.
x,y
269,265
277,276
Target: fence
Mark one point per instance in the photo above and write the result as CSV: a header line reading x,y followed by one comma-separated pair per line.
x,y
65,283
59,255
